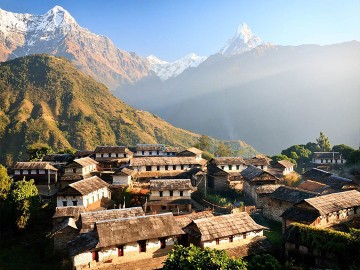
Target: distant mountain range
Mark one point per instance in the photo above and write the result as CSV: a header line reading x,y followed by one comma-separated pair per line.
x,y
272,96
46,99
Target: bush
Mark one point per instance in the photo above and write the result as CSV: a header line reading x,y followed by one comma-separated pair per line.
x,y
263,262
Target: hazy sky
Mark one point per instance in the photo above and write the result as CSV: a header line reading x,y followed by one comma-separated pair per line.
x,y
172,29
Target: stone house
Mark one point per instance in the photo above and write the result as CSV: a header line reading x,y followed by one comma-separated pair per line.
x,y
284,166
219,179
85,192
78,169
232,164
125,240
122,177
112,156
44,174
262,192
170,195
259,161
150,150
282,199
327,158
171,151
223,232
255,177
324,211
70,221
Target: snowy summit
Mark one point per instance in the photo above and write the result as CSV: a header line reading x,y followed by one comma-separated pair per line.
x,y
244,40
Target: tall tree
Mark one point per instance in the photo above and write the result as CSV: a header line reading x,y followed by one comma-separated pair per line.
x,y
204,143
323,142
223,150
343,149
5,183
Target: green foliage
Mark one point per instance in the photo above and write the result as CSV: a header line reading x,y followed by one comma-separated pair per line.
x,y
67,151
281,157
206,155
5,183
24,196
263,262
323,142
204,143
37,151
222,150
344,149
299,153
313,147
353,158
218,200
195,258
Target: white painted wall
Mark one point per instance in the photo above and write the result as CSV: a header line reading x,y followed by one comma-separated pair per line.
x,y
121,179
81,259
152,153
233,167
84,200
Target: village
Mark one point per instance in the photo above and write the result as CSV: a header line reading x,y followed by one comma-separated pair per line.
x,y
128,208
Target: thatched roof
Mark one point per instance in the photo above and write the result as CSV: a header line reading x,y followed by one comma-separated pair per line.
x,y
112,149
334,202
69,211
227,161
327,155
223,226
133,229
158,161
34,165
150,147
171,184
83,187
291,194
88,219
185,220
284,163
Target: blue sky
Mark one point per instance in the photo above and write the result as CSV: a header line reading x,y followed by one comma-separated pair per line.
x,y
172,29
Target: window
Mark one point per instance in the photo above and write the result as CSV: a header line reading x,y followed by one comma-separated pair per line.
x,y
163,207
102,155
230,167
142,246
124,155
142,152
148,168
74,170
262,166
157,152
64,203
322,160
181,193
166,167
74,203
150,153
161,193
120,251
231,238
171,193
158,168
162,243
174,167
238,167
182,167
117,155
217,241
244,235
222,167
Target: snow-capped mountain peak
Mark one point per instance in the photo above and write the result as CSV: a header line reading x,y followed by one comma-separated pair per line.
x,y
243,40
165,70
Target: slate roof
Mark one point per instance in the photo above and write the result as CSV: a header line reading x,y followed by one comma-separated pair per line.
x,y
112,149
154,161
314,186
86,161
334,202
69,222
266,189
133,229
257,162
82,243
227,161
301,215
173,149
124,172
185,220
291,195
191,150
170,184
257,245
150,147
169,201
252,172
224,226
327,178
83,187
61,158
68,211
88,219
285,163
83,153
316,174
38,165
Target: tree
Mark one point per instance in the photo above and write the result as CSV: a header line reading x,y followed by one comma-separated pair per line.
x,y
264,262
343,149
323,142
204,143
37,151
223,150
5,183
24,196
353,158
281,157
194,258
313,147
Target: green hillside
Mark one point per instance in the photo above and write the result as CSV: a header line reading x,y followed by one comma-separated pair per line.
x,y
46,99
